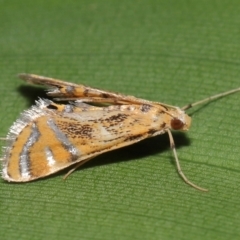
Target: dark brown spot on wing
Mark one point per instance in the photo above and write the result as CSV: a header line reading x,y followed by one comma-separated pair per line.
x,y
151,131
86,92
105,95
145,108
76,130
52,106
83,131
132,138
115,119
163,125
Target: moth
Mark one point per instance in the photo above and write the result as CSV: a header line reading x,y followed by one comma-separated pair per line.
x,y
51,136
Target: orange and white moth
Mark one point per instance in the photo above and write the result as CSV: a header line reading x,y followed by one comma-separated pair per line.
x,y
50,136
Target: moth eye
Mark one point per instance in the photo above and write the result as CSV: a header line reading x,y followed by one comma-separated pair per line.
x,y
176,124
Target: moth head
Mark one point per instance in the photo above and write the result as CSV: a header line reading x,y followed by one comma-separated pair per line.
x,y
179,120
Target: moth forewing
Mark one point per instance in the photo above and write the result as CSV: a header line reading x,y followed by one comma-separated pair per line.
x,y
50,136
64,90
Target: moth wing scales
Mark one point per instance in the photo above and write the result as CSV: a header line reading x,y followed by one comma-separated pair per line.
x,y
98,131
66,90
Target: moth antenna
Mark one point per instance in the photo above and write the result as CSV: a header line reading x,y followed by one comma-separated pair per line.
x,y
172,145
220,95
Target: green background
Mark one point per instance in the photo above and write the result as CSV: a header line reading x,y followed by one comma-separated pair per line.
x,y
174,52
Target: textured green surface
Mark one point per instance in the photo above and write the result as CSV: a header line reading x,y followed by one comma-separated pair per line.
x,y
170,51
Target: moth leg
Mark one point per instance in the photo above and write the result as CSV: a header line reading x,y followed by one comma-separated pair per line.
x,y
77,166
172,145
